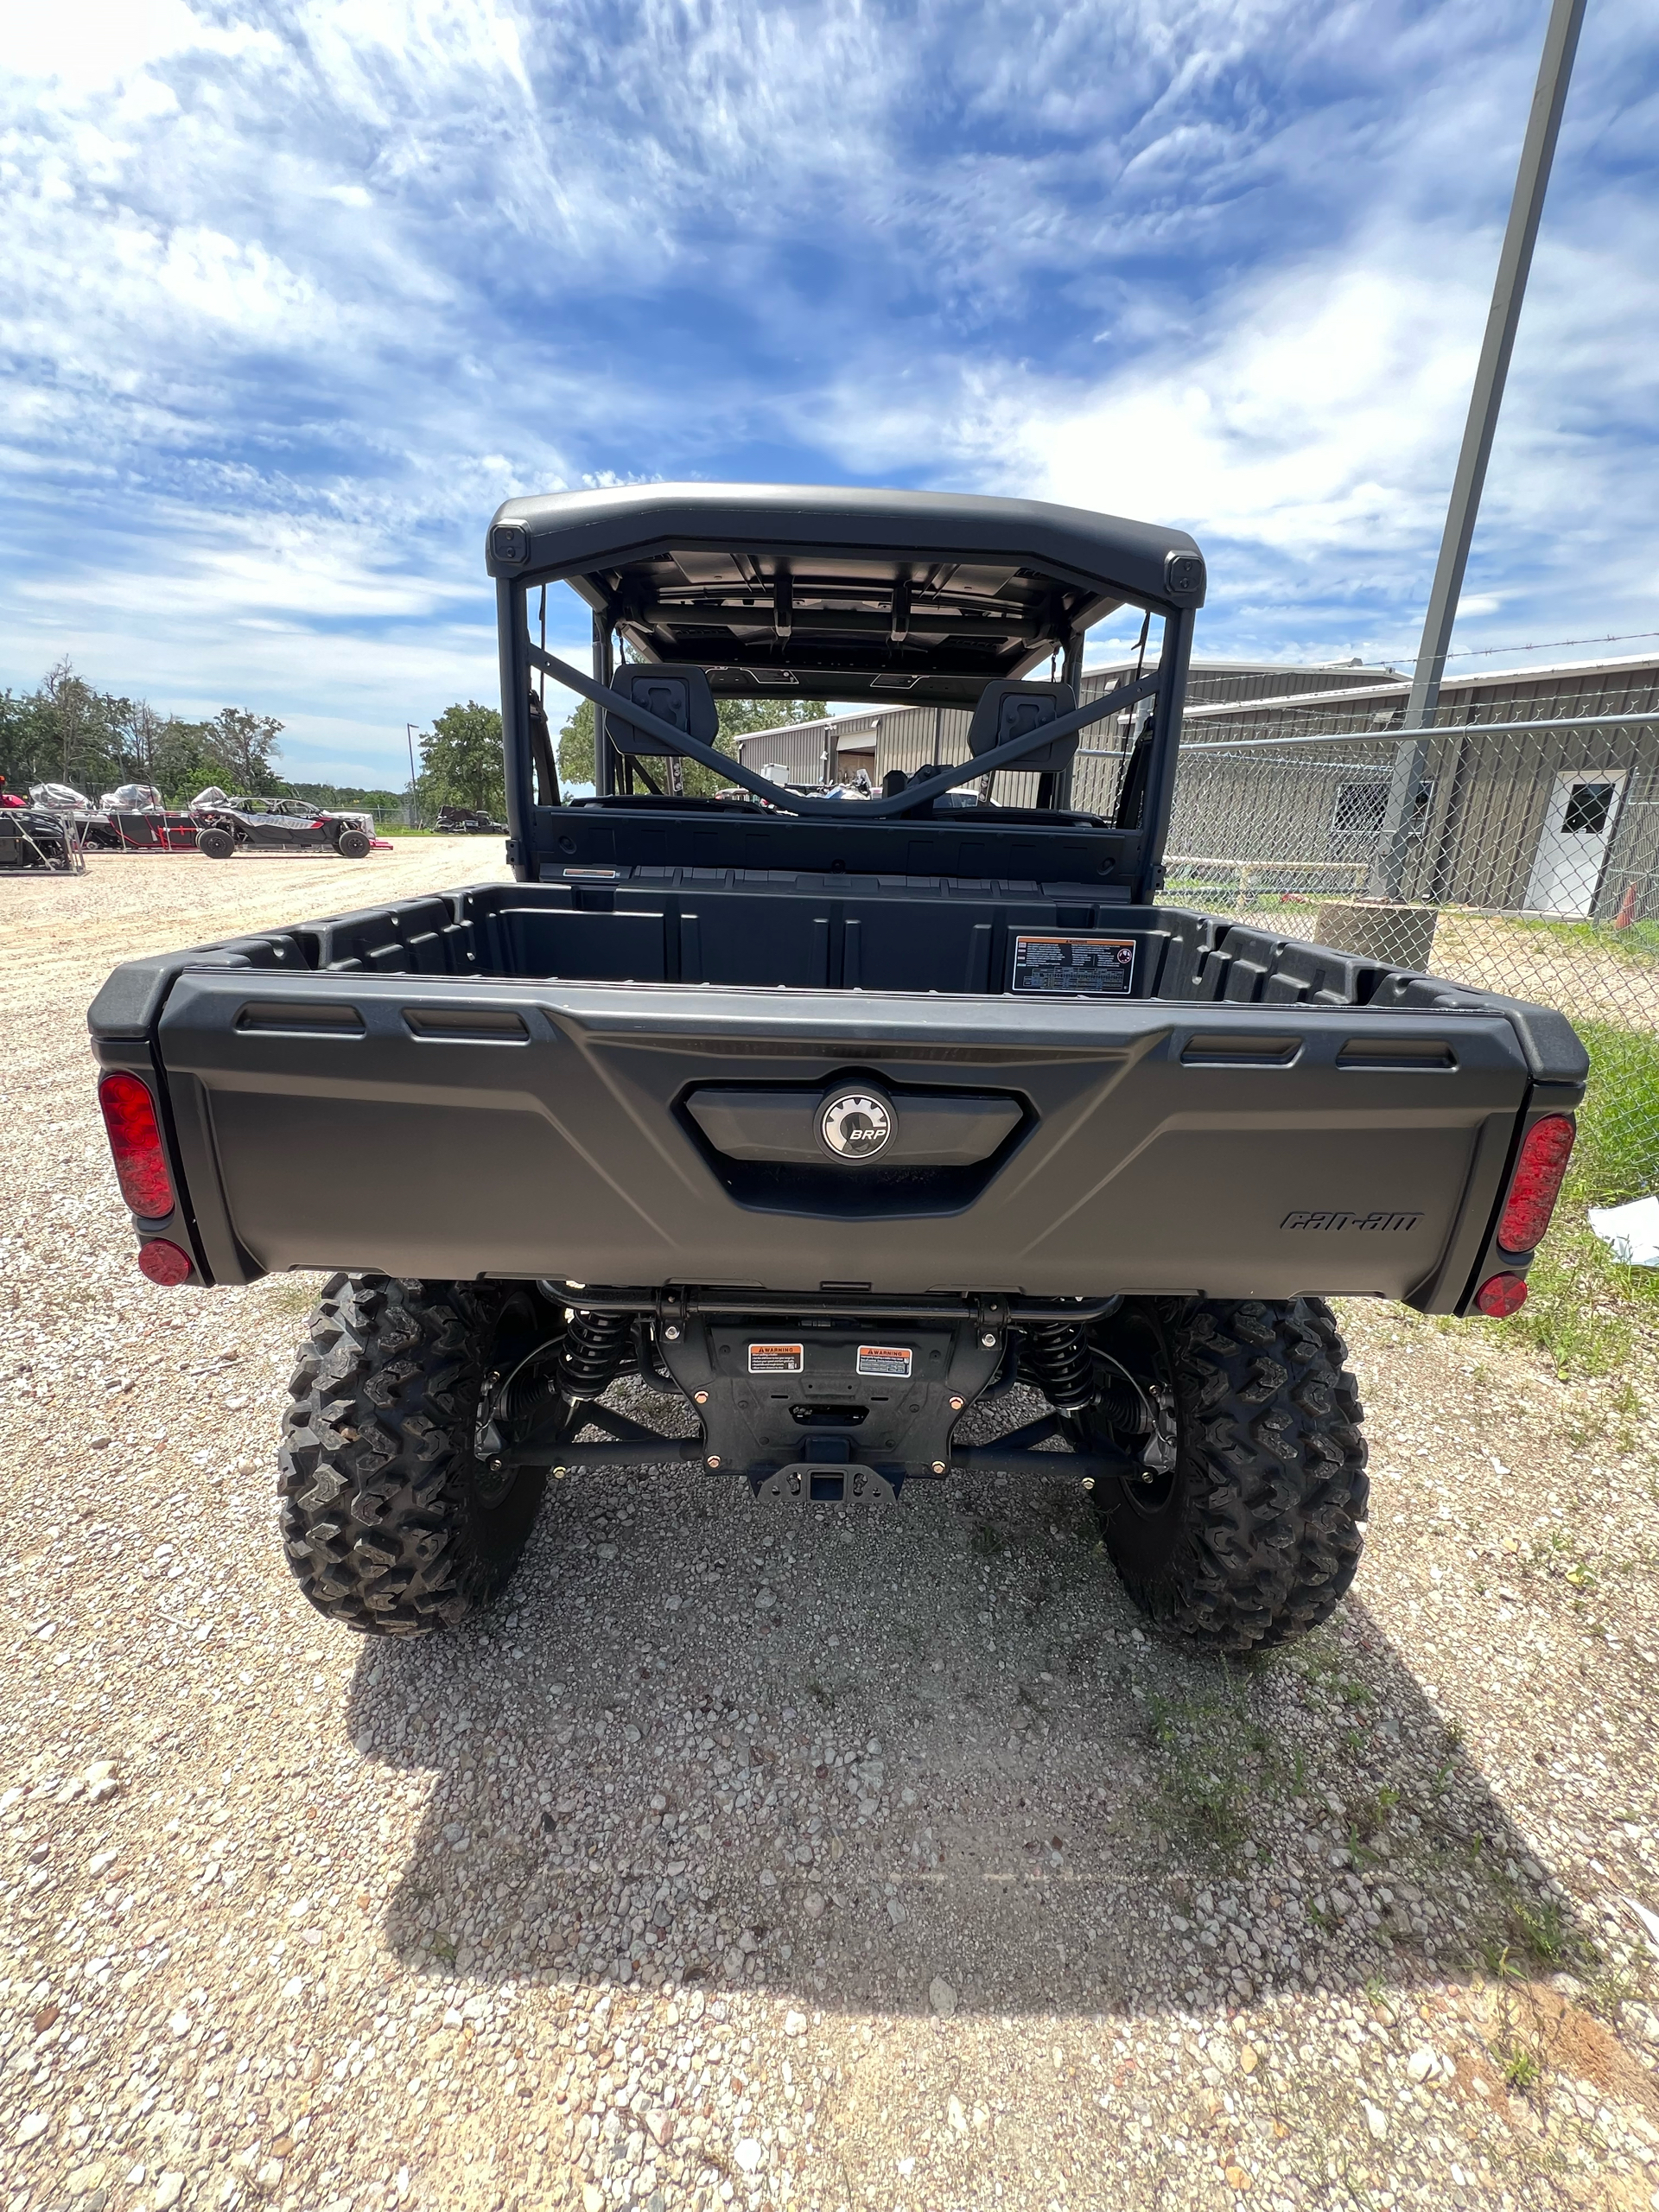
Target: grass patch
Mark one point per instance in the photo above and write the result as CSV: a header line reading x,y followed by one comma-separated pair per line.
x,y
1521,2069
1617,1155
294,1298
1584,1309
1637,946
1217,1761
1321,1668
1523,1933
1541,1927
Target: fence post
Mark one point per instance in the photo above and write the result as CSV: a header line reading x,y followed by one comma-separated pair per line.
x,y
1537,152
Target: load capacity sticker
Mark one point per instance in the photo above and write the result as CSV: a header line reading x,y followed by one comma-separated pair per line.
x,y
884,1359
776,1359
1101,967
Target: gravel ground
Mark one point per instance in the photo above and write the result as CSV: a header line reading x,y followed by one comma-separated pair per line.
x,y
752,1861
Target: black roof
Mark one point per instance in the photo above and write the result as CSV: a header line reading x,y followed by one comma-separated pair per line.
x,y
841,593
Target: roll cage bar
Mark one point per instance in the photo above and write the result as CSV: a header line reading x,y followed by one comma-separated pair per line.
x,y
786,801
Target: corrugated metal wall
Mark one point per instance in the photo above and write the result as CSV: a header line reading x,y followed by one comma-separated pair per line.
x,y
1587,688
1488,798
911,737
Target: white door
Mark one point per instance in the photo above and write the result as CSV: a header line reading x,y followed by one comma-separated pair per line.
x,y
1573,851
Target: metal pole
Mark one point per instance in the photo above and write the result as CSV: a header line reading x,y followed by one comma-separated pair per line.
x,y
1514,262
414,807
605,755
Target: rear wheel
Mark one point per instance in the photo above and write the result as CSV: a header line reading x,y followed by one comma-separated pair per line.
x,y
1247,1528
397,1516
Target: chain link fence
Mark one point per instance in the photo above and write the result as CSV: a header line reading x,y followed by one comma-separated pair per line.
x,y
1516,856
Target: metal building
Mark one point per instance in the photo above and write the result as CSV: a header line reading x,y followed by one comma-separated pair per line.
x,y
1558,816
1561,818
835,749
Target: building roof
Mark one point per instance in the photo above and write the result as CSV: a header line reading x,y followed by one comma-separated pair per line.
x,y
1557,677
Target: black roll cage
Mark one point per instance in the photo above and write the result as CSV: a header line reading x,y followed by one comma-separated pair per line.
x,y
571,538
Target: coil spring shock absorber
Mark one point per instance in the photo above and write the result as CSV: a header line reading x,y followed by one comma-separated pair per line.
x,y
1056,1353
592,1353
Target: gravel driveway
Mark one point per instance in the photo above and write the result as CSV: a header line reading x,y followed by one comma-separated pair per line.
x,y
741,1860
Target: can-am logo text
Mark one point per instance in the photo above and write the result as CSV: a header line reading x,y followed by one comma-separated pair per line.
x,y
1350,1221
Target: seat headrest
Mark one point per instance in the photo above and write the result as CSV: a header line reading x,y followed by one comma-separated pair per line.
x,y
677,695
1008,709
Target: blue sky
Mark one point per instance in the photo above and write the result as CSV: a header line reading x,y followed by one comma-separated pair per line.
x,y
295,294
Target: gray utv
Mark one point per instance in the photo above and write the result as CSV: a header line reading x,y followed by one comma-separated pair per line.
x,y
833,1124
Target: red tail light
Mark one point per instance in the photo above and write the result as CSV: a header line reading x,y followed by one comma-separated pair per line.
x,y
163,1262
1501,1296
1536,1184
136,1142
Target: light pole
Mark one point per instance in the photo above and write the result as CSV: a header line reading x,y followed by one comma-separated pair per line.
x,y
1537,152
414,809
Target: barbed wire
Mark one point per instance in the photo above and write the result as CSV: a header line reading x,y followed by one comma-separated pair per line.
x,y
1542,645
1465,652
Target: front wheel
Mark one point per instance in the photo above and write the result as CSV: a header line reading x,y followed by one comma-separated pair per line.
x,y
353,845
1245,1530
217,844
397,1517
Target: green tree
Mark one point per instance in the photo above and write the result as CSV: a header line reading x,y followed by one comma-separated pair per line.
x,y
461,762
245,743
738,718
25,747
232,751
65,731
181,762
354,796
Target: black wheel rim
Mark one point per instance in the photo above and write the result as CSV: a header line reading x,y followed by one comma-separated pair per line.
x,y
1138,1343
520,1327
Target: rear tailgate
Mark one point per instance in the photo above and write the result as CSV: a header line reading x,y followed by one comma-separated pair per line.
x,y
437,1129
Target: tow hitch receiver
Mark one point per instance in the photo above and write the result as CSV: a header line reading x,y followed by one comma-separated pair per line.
x,y
831,1410
809,1482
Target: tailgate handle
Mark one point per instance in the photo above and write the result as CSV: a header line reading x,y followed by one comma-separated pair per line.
x,y
469,1025
302,1018
1223,1049
1396,1053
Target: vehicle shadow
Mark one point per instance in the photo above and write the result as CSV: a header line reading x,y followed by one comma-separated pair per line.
x,y
923,1756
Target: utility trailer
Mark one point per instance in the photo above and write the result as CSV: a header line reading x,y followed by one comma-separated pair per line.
x,y
832,1124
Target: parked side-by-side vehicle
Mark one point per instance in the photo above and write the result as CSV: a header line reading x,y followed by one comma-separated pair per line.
x,y
879,1144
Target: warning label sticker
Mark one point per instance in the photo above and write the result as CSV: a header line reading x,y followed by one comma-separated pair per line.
x,y
1101,967
884,1359
776,1359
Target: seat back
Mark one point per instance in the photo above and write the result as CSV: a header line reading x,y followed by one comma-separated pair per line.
x,y
680,696
1008,710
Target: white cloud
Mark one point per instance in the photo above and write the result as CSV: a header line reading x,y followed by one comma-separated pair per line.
x,y
101,43
296,293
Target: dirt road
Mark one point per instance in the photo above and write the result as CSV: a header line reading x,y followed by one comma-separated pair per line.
x,y
742,1861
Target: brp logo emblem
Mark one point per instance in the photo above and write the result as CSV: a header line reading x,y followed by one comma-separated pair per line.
x,y
855,1124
